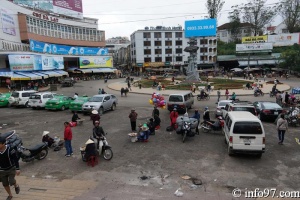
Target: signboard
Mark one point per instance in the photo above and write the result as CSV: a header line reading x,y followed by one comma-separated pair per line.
x,y
43,47
72,8
254,47
255,39
200,28
97,61
284,39
8,22
154,64
35,62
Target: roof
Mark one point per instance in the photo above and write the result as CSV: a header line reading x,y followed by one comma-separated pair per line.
x,y
243,116
227,26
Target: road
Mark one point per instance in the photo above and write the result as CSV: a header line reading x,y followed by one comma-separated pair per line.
x,y
161,162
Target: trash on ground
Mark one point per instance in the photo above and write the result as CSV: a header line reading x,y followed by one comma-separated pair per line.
x,y
197,181
178,193
144,177
186,177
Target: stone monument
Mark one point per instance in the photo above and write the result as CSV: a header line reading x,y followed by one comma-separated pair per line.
x,y
191,72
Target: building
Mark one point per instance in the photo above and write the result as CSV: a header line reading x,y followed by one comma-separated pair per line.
x,y
224,33
279,29
54,34
114,45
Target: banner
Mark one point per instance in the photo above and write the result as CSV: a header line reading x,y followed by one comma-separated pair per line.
x,y
284,39
93,62
43,47
254,47
35,62
200,28
255,39
8,22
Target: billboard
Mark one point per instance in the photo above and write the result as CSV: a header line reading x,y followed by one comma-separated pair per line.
x,y
43,47
255,39
97,61
72,8
284,39
35,62
8,22
200,28
254,47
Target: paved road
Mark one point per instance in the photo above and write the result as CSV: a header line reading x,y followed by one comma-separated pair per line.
x,y
162,161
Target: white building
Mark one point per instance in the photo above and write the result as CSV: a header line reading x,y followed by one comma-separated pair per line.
x,y
224,32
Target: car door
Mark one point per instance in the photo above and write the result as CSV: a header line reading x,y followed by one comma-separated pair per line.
x,y
107,102
68,101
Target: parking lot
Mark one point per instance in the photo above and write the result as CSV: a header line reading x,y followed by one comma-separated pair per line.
x,y
163,160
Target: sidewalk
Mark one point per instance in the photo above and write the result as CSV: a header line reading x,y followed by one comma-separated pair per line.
x,y
239,92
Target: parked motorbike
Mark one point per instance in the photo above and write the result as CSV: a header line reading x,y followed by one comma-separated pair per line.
x,y
38,152
292,116
204,97
208,126
258,93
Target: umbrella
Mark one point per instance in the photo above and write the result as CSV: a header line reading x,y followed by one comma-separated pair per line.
x,y
236,69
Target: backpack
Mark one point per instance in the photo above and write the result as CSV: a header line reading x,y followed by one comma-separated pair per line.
x,y
12,139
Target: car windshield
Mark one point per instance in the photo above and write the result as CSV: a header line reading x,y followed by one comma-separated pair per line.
x,y
247,128
2,95
96,99
15,94
176,98
223,104
270,105
35,96
249,109
79,100
54,99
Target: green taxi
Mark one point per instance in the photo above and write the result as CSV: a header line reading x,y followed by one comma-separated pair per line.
x,y
59,102
4,99
76,105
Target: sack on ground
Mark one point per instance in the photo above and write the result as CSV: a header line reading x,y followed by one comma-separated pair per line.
x,y
169,128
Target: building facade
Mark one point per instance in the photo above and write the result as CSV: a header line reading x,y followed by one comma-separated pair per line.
x,y
224,32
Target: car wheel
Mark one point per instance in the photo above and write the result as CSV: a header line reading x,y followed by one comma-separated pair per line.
x,y
260,117
63,108
101,111
259,155
113,107
225,140
230,152
34,108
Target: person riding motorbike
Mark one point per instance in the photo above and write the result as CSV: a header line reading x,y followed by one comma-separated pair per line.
x,y
257,90
98,132
203,94
206,116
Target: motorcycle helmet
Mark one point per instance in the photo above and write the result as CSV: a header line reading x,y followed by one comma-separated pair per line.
x,y
206,108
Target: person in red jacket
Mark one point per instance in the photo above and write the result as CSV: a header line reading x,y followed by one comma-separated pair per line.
x,y
173,117
68,138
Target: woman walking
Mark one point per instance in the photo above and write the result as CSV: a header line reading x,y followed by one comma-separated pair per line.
x,y
282,127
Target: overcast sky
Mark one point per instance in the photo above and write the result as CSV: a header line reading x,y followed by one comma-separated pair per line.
x,y
122,18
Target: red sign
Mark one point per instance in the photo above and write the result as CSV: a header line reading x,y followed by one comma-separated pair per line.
x,y
45,17
75,5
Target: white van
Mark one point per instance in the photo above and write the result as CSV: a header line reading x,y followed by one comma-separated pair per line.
x,y
38,100
181,101
20,98
244,133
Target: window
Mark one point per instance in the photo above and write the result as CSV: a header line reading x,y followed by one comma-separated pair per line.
x,y
157,43
158,59
168,51
249,109
247,128
157,51
178,34
203,50
176,98
168,34
147,35
147,59
147,43
107,98
178,43
168,43
224,34
169,59
157,35
203,41
178,50
26,94
178,58
34,96
147,51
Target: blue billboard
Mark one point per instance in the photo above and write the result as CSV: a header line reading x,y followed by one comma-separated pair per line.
x,y
200,28
43,47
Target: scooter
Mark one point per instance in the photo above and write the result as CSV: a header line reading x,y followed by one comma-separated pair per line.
x,y
204,97
208,126
185,130
257,93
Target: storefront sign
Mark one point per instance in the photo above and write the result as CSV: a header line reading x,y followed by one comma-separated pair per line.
x,y
154,64
140,64
286,39
45,17
21,62
255,39
254,47
8,22
200,28
43,47
95,61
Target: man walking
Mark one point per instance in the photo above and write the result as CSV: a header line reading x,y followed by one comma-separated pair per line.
x,y
68,138
282,127
133,116
219,94
9,167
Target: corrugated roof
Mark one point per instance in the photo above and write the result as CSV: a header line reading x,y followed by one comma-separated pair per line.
x,y
227,26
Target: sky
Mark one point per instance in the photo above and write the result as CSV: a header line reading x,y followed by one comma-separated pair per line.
x,y
122,18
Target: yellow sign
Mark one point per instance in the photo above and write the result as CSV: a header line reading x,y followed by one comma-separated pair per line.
x,y
255,39
154,64
95,61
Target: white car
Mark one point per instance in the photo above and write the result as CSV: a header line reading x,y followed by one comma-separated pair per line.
x,y
38,100
20,98
221,105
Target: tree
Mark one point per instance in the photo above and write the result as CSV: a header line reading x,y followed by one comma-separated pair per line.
x,y
290,12
214,8
258,14
291,58
235,22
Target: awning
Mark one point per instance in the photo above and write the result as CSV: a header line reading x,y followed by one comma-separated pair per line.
x,y
245,63
40,74
86,70
6,74
64,73
19,77
103,70
30,75
51,73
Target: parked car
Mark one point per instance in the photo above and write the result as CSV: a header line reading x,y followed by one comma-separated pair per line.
x,y
221,105
239,106
101,103
267,110
76,105
4,99
20,98
38,100
68,82
59,102
180,101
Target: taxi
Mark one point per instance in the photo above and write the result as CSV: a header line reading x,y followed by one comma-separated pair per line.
x,y
4,99
59,102
76,105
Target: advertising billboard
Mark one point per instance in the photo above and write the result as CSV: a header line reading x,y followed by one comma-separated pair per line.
x,y
8,22
43,47
200,28
72,8
254,47
35,62
93,62
255,39
284,39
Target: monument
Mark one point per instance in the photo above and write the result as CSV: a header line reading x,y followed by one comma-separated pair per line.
x,y
191,71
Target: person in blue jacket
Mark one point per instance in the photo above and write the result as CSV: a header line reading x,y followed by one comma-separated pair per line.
x,y
197,116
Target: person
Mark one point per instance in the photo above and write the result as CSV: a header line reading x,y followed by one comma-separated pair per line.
x,y
274,90
68,138
248,86
47,139
151,126
122,91
74,119
233,96
286,98
9,167
278,98
282,127
75,96
133,117
95,116
197,116
265,76
173,117
202,94
173,79
208,88
90,149
194,88
129,86
100,91
144,134
163,87
206,116
275,81
98,132
155,111
157,122
226,94
219,94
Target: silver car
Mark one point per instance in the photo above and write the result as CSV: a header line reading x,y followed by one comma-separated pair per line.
x,y
101,103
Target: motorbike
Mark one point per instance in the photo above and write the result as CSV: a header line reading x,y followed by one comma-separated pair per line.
x,y
292,116
204,97
258,93
185,130
208,126
38,152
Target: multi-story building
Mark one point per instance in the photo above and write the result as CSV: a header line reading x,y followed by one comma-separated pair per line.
x,y
113,45
224,32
